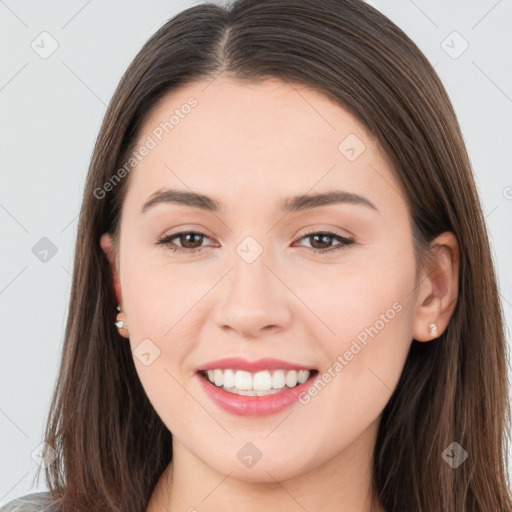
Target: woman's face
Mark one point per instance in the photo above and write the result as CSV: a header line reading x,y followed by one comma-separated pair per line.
x,y
260,287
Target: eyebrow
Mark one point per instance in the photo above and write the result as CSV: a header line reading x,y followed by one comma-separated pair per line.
x,y
292,204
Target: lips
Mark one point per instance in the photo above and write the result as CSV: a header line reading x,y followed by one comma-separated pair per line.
x,y
239,363
253,405
238,402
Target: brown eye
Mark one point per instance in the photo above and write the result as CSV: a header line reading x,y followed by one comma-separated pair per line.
x,y
189,241
321,242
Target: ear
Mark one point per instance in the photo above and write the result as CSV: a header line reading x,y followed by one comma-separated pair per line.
x,y
106,245
438,288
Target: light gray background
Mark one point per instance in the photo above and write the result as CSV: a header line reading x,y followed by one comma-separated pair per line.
x,y
50,113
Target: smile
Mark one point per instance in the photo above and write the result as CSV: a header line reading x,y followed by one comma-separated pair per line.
x,y
243,398
260,383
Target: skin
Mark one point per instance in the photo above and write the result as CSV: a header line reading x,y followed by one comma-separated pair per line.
x,y
252,146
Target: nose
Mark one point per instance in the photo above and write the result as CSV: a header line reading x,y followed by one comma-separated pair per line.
x,y
253,301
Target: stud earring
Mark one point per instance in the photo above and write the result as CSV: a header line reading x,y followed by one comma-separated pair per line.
x,y
432,327
120,324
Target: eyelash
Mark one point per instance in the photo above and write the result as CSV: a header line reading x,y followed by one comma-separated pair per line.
x,y
345,242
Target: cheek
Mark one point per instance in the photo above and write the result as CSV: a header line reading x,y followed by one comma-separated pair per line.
x,y
158,295
366,312
159,303
367,298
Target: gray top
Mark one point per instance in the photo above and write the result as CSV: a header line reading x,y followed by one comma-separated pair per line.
x,y
29,503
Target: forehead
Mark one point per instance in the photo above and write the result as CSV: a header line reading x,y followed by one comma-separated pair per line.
x,y
250,115
223,135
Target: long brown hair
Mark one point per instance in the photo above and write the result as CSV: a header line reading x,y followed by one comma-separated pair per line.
x,y
112,446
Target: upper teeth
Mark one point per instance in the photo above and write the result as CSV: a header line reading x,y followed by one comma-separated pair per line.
x,y
259,381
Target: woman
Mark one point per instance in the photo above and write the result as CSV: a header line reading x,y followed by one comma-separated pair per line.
x,y
283,296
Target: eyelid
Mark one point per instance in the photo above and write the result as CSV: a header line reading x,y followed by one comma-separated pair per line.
x,y
190,228
332,230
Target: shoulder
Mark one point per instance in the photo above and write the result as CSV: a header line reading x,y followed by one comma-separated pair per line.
x,y
36,502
